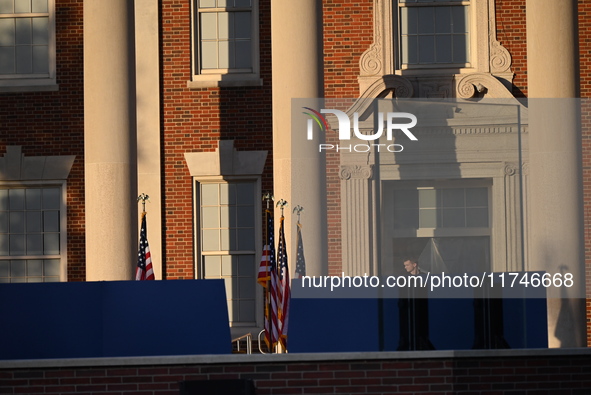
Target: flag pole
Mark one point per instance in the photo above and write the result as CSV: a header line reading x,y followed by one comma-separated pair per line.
x,y
144,269
280,343
268,198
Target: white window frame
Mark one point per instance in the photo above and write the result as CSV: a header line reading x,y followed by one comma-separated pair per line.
x,y
236,328
390,234
471,28
475,33
224,77
63,223
35,82
381,58
444,231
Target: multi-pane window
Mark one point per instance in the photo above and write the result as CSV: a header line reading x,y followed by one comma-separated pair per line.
x,y
441,208
30,234
434,32
446,227
225,36
228,243
26,39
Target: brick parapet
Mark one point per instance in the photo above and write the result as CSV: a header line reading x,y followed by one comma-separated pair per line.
x,y
441,372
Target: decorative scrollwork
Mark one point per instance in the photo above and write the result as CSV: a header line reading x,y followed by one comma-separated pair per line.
x,y
370,62
471,84
510,169
500,58
356,172
466,87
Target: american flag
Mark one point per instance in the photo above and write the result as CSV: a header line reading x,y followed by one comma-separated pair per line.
x,y
144,269
300,269
268,273
284,286
264,268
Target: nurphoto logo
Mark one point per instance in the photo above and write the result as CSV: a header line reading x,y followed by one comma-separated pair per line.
x,y
393,122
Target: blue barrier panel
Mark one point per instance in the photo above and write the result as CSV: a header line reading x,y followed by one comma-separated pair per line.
x,y
349,325
390,335
451,323
333,325
53,320
526,323
327,320
106,319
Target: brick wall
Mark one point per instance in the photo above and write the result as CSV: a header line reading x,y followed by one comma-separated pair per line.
x,y
585,46
511,33
585,86
549,373
52,123
193,120
348,33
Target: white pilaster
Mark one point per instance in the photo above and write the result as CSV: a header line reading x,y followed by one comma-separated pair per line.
x,y
555,178
148,122
299,175
109,124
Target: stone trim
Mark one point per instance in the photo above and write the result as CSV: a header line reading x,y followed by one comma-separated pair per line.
x,y
226,161
277,358
489,57
14,166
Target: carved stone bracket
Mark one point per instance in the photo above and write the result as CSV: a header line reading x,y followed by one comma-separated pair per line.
x,y
500,58
358,172
371,62
481,84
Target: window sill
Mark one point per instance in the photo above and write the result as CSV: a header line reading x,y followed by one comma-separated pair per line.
x,y
28,86
442,70
224,80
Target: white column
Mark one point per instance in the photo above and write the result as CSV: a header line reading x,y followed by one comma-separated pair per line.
x,y
555,176
299,175
109,126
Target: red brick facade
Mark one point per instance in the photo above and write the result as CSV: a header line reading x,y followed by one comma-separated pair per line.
x,y
194,120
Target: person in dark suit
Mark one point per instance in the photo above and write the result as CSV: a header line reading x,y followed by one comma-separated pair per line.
x,y
413,311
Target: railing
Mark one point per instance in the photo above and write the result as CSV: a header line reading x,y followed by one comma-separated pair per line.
x,y
248,338
260,342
